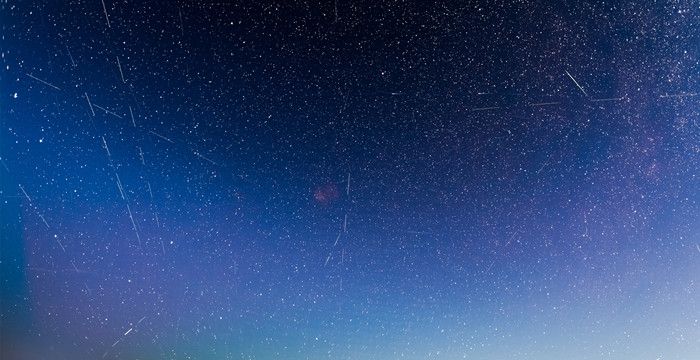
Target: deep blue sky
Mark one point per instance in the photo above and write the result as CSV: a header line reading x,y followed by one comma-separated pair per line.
x,y
524,180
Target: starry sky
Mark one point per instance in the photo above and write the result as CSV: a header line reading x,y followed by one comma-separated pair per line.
x,y
350,180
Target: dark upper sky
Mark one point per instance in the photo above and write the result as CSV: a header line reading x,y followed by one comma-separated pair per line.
x,y
350,180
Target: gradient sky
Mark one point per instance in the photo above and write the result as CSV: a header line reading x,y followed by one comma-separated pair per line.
x,y
350,180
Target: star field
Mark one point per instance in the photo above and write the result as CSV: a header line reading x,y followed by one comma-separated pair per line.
x,y
350,180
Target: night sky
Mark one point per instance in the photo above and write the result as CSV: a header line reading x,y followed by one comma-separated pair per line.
x,y
350,180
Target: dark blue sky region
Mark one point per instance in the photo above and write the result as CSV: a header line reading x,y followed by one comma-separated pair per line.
x,y
350,180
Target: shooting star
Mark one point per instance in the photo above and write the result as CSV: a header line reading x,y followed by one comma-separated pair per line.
x,y
133,223
119,65
545,103
337,239
486,108
414,232
61,245
143,160
35,208
45,223
44,82
107,111
119,185
205,158
577,84
609,99
104,7
25,193
133,122
104,143
679,95
70,56
90,104
182,27
161,136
